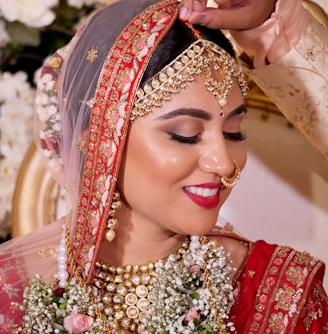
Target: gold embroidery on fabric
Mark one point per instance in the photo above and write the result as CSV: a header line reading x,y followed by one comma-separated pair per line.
x,y
276,323
82,145
295,275
284,298
45,252
92,54
55,63
251,273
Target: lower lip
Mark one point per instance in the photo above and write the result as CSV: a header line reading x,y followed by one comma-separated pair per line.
x,y
204,202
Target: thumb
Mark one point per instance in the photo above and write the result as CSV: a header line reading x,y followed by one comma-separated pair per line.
x,y
219,18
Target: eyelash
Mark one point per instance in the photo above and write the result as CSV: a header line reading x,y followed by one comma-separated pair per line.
x,y
235,136
183,139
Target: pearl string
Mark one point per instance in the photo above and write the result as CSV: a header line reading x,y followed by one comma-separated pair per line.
x,y
194,242
62,274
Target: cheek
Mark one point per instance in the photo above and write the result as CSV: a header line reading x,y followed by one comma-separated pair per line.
x,y
148,167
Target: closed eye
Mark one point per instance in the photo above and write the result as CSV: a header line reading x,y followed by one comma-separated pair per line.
x,y
183,139
234,136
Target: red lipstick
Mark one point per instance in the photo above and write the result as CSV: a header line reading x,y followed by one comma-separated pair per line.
x,y
206,195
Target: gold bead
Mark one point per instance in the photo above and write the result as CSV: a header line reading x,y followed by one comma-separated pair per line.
x,y
214,243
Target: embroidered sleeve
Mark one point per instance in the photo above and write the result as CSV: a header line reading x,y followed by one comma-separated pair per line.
x,y
314,313
280,291
298,85
290,298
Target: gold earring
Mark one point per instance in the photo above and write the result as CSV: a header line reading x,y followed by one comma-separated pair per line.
x,y
231,181
112,222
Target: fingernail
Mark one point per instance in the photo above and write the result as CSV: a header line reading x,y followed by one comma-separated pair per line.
x,y
183,14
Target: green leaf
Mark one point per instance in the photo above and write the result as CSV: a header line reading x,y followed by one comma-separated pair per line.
x,y
63,306
22,35
195,295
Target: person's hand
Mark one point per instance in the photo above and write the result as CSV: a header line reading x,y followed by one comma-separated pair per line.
x,y
231,14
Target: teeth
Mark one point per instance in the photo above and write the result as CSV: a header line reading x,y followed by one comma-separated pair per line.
x,y
205,192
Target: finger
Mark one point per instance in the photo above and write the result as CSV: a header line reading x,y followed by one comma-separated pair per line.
x,y
187,7
233,19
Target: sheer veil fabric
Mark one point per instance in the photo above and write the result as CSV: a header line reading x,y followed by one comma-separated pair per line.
x,y
94,77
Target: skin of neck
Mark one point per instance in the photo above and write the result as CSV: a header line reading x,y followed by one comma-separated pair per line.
x,y
138,243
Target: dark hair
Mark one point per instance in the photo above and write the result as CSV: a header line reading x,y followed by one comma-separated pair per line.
x,y
178,38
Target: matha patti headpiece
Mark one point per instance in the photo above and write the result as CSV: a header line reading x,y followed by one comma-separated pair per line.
x,y
197,59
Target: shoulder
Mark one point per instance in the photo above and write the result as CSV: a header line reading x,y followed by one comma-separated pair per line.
x,y
282,264
286,286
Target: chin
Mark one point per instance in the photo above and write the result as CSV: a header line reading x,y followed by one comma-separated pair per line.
x,y
200,230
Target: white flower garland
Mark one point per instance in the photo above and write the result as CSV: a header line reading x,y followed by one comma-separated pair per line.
x,y
183,297
186,302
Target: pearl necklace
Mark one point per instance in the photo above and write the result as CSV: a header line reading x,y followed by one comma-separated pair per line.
x,y
126,293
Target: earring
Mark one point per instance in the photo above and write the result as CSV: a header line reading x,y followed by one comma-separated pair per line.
x,y
112,222
230,182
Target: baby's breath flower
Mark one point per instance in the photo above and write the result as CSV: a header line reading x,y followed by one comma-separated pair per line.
x,y
182,283
45,310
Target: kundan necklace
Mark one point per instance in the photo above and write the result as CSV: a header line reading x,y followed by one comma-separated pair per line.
x,y
188,292
126,292
174,295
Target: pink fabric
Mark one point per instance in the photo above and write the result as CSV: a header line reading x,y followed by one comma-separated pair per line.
x,y
276,36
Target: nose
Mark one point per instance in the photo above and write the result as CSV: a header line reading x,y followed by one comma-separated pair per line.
x,y
216,159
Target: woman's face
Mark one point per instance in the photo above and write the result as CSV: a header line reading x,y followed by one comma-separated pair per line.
x,y
174,160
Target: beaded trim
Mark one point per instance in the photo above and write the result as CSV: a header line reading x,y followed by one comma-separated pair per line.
x,y
191,63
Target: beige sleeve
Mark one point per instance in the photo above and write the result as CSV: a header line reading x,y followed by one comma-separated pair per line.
x,y
298,85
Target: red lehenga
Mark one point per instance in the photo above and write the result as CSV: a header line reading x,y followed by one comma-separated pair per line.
x,y
280,291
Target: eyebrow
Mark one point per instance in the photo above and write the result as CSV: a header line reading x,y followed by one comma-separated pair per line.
x,y
199,113
239,110
192,112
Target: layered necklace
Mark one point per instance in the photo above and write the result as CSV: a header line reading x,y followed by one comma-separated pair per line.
x,y
173,295
188,292
126,292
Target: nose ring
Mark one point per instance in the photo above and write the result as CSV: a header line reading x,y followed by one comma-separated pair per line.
x,y
231,181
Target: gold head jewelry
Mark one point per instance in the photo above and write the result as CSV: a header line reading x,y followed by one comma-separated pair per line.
x,y
202,56
231,181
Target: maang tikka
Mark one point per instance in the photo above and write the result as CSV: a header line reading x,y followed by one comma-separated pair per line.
x,y
112,222
202,56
